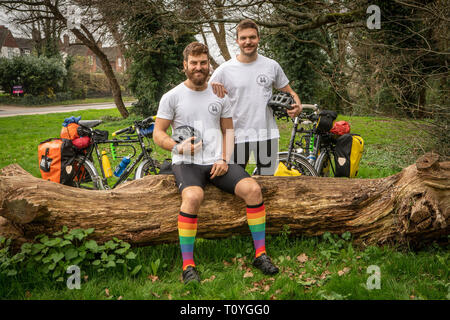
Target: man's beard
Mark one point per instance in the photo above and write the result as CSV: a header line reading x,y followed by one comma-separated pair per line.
x,y
197,81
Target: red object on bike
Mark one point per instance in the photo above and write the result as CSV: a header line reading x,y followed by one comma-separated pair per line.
x,y
82,142
340,128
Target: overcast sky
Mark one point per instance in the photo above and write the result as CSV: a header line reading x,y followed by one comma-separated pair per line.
x,y
5,21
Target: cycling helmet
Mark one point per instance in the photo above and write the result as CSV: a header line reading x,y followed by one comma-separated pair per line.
x,y
279,102
185,132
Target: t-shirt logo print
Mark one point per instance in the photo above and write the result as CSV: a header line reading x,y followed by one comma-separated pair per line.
x,y
262,80
214,108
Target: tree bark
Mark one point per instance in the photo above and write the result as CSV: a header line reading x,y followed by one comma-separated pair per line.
x,y
412,207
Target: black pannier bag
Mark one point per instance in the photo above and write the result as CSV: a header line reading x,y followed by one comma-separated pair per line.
x,y
326,120
347,155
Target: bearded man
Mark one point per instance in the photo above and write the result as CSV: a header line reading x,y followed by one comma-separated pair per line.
x,y
192,104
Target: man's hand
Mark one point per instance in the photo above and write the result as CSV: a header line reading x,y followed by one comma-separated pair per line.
x,y
218,89
188,146
218,169
295,111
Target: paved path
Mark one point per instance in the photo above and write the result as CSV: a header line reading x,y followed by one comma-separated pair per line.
x,y
10,111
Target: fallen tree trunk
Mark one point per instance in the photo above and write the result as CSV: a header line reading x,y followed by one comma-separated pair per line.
x,y
412,206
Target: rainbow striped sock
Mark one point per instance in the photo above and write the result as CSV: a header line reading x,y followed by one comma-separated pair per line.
x,y
256,217
187,230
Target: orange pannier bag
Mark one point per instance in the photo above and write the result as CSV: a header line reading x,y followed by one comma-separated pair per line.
x,y
56,160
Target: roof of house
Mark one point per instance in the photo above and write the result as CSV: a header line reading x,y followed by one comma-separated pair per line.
x,y
3,34
25,43
77,50
6,38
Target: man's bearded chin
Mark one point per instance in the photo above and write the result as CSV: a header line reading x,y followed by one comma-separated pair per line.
x,y
197,81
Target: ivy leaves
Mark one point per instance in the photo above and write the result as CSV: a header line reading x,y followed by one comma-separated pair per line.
x,y
53,255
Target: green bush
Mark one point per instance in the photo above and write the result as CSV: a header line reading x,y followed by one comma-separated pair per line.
x,y
38,75
52,256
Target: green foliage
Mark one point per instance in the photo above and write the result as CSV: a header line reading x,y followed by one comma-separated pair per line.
x,y
37,75
157,60
52,256
399,62
298,61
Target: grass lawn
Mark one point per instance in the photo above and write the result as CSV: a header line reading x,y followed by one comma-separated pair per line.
x,y
326,267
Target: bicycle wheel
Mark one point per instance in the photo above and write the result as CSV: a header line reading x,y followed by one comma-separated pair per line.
x,y
325,166
147,167
87,176
299,163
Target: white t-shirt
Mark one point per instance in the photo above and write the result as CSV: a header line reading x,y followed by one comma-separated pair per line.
x,y
201,110
249,87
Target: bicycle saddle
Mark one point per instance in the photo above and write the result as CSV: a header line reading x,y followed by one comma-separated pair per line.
x,y
89,123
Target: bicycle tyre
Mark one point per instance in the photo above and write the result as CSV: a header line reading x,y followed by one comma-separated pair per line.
x,y
300,163
88,177
147,167
323,165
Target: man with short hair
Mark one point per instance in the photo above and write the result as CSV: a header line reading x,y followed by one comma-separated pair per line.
x,y
249,79
192,103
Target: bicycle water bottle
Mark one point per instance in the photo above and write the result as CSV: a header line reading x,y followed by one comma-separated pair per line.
x,y
122,165
106,165
311,157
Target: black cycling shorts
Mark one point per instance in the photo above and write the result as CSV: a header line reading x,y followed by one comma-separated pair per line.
x,y
189,174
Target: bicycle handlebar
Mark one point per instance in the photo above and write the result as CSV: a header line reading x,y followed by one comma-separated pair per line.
x,y
139,123
129,129
313,107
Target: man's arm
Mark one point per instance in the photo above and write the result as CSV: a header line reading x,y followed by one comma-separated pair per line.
x,y
226,125
220,167
163,140
160,135
297,106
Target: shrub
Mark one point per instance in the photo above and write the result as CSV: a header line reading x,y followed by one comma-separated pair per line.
x,y
37,75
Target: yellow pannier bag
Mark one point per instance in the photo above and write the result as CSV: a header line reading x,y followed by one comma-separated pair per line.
x,y
283,171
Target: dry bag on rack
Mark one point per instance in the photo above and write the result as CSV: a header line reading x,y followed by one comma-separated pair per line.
x,y
55,160
347,155
326,120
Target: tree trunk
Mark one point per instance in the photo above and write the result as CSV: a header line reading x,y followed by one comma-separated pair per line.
x,y
412,206
88,40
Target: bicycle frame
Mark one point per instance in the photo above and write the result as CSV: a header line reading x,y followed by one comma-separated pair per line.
x,y
313,152
125,141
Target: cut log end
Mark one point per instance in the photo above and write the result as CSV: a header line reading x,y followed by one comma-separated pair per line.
x,y
428,161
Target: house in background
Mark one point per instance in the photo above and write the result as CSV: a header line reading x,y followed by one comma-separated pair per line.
x,y
26,46
8,44
113,54
11,46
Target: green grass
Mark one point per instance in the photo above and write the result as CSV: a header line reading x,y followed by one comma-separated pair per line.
x,y
327,271
332,269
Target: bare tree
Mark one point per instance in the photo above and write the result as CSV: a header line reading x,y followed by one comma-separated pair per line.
x,y
86,29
